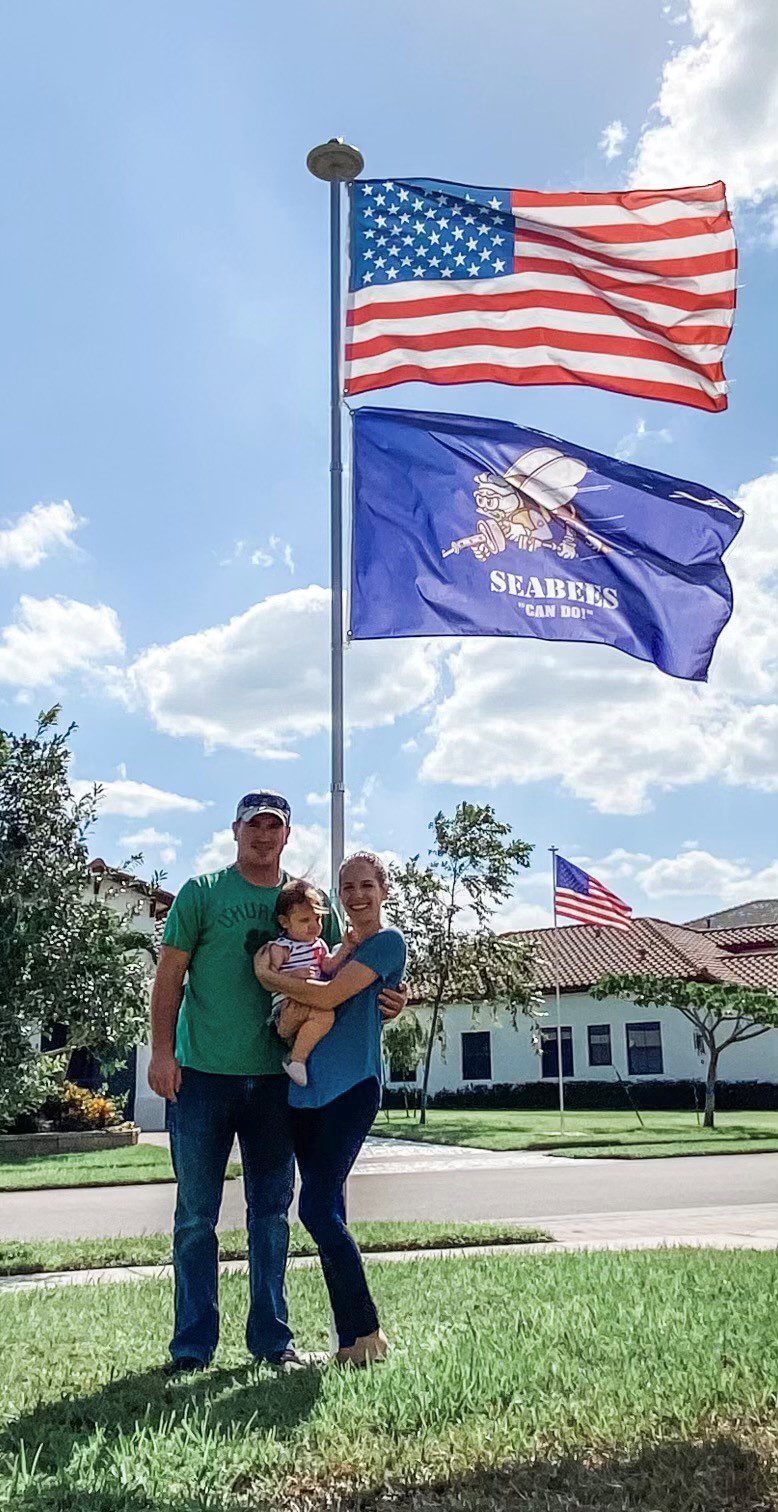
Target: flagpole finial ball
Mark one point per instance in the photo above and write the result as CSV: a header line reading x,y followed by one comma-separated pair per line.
x,y
335,161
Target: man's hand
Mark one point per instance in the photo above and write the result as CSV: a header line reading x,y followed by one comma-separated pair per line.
x,y
392,1003
164,1074
263,969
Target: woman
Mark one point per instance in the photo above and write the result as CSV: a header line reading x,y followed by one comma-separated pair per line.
x,y
333,1114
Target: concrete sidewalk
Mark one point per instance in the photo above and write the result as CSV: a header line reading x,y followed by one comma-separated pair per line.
x,y
752,1227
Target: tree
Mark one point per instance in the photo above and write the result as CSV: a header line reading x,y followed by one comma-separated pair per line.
x,y
66,959
445,910
722,1013
404,1044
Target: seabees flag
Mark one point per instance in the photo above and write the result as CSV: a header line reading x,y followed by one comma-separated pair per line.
x,y
480,527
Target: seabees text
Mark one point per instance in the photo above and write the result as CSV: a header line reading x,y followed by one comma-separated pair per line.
x,y
547,597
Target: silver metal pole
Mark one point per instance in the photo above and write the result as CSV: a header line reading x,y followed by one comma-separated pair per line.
x,y
337,786
336,162
560,1075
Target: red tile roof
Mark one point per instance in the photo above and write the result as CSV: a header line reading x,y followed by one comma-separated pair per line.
x,y
587,952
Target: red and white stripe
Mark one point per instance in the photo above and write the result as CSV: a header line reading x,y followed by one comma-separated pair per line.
x,y
630,292
600,906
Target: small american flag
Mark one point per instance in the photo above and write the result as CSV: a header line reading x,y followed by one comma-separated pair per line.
x,y
581,897
632,292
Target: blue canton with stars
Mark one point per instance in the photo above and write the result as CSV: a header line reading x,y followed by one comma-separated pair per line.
x,y
404,230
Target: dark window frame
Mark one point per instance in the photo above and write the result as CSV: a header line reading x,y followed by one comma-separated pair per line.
x,y
548,1038
483,1036
602,1030
635,1052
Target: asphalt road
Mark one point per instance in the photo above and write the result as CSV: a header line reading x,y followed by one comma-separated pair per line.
x,y
390,1186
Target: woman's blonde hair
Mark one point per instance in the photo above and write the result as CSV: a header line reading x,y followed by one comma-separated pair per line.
x,y
371,859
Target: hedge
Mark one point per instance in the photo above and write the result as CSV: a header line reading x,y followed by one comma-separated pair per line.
x,y
591,1096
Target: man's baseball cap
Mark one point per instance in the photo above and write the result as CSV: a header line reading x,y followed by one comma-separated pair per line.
x,y
264,803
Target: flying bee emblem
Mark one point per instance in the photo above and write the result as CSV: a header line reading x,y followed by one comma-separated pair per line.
x,y
530,506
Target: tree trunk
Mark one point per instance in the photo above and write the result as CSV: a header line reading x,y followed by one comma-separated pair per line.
x,y
710,1090
427,1061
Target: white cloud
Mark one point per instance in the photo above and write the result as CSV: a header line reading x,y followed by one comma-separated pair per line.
x,y
137,800
149,837
308,853
717,105
317,800
611,143
54,636
696,872
618,864
517,914
28,540
234,555
630,444
217,852
305,855
276,551
612,730
691,871
229,686
358,806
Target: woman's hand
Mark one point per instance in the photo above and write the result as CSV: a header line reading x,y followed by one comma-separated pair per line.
x,y
392,1002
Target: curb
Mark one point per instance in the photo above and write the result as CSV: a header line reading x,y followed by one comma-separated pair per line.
x,y
108,1275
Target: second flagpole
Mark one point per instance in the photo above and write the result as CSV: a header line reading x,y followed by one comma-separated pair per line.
x,y
560,1068
336,163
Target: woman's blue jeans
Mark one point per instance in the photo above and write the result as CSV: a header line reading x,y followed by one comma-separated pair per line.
x,y
210,1111
326,1142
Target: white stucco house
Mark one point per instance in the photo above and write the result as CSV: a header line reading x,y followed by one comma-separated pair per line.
x,y
125,893
602,1038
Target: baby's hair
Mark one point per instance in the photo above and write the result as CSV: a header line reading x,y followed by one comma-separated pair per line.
x,y
299,891
370,857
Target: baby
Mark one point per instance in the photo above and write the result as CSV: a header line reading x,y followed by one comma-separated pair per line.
x,y
300,950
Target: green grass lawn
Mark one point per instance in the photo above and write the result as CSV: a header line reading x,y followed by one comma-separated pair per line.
x,y
28,1257
131,1164
586,1134
525,1384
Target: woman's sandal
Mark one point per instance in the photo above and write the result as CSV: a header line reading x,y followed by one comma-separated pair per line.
x,y
370,1349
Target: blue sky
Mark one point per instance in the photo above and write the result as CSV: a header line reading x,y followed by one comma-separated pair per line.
x,y
163,266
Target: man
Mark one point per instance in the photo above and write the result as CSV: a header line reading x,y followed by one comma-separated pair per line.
x,y
218,1061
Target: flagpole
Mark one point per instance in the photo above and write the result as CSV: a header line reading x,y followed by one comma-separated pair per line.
x,y
336,163
560,1074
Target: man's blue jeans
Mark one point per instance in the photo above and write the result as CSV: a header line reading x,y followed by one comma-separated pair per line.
x,y
210,1111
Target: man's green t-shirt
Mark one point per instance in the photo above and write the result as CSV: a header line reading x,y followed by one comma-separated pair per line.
x,y
222,920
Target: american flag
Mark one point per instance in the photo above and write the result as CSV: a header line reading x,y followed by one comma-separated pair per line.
x,y
581,897
632,292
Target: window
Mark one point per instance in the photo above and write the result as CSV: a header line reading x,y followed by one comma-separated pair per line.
x,y
644,1049
699,1044
399,1070
549,1059
600,1045
477,1056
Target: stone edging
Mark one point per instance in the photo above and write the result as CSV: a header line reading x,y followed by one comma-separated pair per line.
x,y
71,1142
